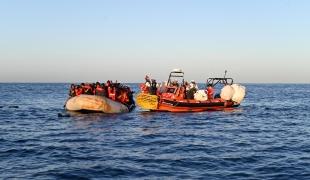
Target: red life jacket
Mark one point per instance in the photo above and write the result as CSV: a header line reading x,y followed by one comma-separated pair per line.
x,y
99,91
87,89
78,91
111,91
210,92
181,93
144,88
123,97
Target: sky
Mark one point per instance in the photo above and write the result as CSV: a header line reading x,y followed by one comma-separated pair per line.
x,y
258,41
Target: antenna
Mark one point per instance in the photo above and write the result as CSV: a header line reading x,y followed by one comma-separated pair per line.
x,y
225,73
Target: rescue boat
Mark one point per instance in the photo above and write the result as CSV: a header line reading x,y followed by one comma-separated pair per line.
x,y
173,98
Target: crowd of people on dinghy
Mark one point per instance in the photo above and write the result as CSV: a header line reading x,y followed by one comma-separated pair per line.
x,y
112,90
187,89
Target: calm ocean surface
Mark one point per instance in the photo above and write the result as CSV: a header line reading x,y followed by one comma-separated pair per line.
x,y
267,137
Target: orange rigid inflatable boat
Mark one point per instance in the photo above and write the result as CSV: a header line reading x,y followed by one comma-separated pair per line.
x,y
181,97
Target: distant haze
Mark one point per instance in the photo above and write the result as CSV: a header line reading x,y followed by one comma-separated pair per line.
x,y
259,41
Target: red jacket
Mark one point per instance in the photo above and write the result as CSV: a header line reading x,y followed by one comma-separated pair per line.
x,y
210,93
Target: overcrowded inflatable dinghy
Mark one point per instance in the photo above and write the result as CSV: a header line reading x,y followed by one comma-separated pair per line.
x,y
105,98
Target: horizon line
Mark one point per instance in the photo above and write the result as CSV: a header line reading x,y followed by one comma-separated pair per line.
x,y
40,82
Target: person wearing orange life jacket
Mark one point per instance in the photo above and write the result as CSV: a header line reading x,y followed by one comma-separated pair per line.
x,y
111,92
82,86
106,87
108,83
93,88
182,92
87,89
72,90
147,85
210,91
99,90
144,88
123,97
78,90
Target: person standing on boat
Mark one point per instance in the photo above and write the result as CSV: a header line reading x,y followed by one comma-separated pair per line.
x,y
162,87
210,91
145,88
193,85
186,86
147,81
153,88
193,88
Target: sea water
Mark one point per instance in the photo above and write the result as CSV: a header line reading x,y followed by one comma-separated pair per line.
x,y
267,137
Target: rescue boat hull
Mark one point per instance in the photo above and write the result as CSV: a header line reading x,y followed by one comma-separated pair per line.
x,y
93,103
193,106
155,103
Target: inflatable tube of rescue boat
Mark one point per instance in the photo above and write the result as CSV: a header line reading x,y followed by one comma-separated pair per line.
x,y
227,92
239,93
95,103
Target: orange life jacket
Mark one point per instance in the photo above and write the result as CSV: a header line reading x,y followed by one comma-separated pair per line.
x,y
99,91
123,98
144,88
210,92
111,91
87,89
180,93
78,91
